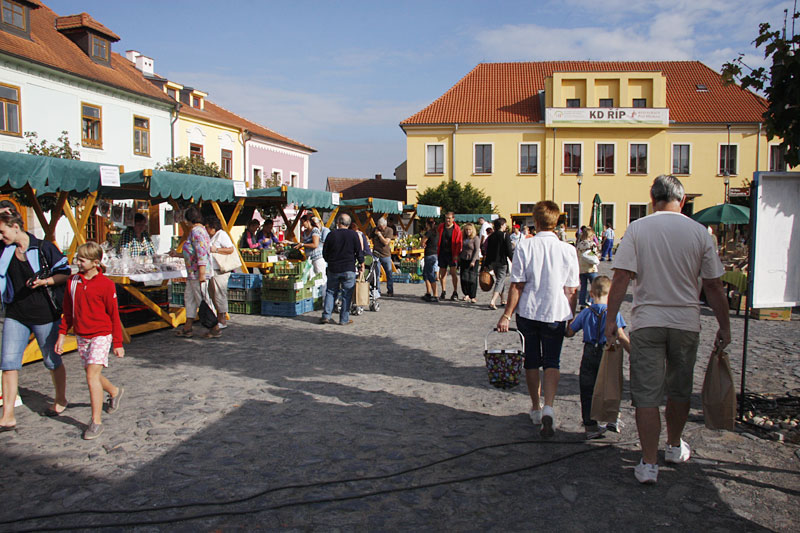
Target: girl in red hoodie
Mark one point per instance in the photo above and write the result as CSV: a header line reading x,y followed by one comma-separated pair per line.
x,y
90,307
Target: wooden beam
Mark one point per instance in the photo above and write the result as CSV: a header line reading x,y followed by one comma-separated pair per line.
x,y
332,218
79,226
289,229
227,225
37,208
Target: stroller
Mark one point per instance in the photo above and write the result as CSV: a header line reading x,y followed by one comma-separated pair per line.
x,y
372,270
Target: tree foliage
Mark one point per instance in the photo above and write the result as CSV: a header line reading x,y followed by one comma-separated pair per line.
x,y
780,83
193,165
451,196
62,150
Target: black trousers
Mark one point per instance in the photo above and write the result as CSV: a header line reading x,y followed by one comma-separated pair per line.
x,y
469,278
590,365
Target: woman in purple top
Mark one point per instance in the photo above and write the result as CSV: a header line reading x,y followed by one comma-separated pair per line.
x,y
197,256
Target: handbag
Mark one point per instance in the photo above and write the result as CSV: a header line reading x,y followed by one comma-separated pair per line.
x,y
719,395
361,294
56,303
226,262
206,313
485,280
608,387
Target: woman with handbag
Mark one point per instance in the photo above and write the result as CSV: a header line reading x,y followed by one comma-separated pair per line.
x,y
197,256
32,277
587,262
223,261
468,262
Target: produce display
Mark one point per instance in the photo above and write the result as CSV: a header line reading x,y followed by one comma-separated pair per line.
x,y
409,242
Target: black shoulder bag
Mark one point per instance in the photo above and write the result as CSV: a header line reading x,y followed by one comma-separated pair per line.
x,y
53,299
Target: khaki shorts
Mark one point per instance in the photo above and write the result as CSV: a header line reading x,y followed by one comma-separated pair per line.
x,y
662,361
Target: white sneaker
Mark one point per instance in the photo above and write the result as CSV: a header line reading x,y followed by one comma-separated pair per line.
x,y
536,417
677,454
646,473
548,422
615,427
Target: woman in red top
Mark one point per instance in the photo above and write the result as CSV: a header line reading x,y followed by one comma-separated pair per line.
x,y
90,308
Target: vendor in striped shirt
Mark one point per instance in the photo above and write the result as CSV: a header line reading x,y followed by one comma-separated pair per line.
x,y
136,239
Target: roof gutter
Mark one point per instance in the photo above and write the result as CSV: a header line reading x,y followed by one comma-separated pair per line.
x,y
246,159
177,110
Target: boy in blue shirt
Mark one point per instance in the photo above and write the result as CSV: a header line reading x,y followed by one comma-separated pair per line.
x,y
592,320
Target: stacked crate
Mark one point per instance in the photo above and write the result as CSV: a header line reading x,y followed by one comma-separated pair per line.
x,y
176,292
284,291
244,301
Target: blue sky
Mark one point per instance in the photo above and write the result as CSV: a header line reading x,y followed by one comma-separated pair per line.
x,y
341,75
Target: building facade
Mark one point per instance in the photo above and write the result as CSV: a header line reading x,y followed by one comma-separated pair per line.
x,y
570,130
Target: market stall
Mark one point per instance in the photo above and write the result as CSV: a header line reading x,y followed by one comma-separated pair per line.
x,y
407,250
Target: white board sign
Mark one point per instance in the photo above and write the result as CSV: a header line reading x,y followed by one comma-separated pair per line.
x,y
109,176
239,188
775,266
335,198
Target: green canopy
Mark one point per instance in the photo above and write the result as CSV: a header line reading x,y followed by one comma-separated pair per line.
x,y
723,214
424,211
597,215
467,217
167,185
48,174
376,205
308,198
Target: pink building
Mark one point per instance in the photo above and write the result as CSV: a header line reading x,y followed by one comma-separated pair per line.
x,y
270,154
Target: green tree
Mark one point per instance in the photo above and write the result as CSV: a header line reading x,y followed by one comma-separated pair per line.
x,y
780,83
193,165
451,196
62,150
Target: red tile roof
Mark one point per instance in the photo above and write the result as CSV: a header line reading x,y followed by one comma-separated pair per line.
x,y
49,47
84,20
351,188
220,115
509,93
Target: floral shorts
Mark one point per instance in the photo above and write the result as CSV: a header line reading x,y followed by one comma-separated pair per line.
x,y
94,350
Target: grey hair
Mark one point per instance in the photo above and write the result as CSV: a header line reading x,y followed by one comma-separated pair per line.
x,y
344,220
382,222
667,188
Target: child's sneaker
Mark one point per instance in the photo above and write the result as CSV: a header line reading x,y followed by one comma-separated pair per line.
x,y
677,454
548,422
646,473
114,401
594,432
92,431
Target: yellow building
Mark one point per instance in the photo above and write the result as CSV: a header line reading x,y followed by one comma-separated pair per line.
x,y
569,130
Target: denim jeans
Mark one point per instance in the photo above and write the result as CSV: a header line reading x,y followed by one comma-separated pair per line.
x,y
15,340
343,282
586,284
386,263
608,247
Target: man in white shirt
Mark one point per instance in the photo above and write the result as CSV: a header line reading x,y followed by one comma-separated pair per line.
x,y
544,291
665,254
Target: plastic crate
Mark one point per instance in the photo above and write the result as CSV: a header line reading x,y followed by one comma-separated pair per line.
x,y
178,287
244,295
287,268
285,283
401,277
285,295
271,308
245,308
177,299
244,281
255,255
318,302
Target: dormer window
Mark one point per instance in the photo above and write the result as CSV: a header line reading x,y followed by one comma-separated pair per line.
x,y
14,15
196,102
172,93
99,48
701,87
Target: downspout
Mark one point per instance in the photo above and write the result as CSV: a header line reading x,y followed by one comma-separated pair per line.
x,y
453,150
554,163
245,136
758,147
172,131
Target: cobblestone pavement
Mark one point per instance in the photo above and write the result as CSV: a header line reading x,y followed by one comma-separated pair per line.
x,y
388,424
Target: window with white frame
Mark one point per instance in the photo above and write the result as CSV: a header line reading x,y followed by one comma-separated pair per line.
x,y
294,179
573,212
528,158
141,136
572,158
777,160
605,158
606,102
681,154
483,159
636,211
573,102
640,102
277,176
638,159
526,208
258,178
728,154
226,162
9,110
434,154
607,214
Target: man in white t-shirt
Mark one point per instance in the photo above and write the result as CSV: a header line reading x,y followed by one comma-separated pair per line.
x,y
666,255
544,293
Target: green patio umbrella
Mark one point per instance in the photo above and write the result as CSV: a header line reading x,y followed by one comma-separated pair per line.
x,y
723,214
597,216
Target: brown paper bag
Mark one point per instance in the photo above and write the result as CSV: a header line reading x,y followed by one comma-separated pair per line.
x,y
361,293
719,394
608,387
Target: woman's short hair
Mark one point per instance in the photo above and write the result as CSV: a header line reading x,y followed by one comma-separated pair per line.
x,y
90,250
545,215
193,215
213,222
469,230
9,219
498,223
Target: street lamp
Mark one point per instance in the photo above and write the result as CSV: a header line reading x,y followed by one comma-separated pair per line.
x,y
580,180
727,182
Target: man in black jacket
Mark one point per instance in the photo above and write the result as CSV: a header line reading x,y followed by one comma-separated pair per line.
x,y
345,256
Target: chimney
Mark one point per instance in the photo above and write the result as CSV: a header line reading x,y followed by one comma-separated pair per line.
x,y
145,64
378,176
132,55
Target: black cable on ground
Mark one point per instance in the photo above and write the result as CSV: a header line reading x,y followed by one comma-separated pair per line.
x,y
318,484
